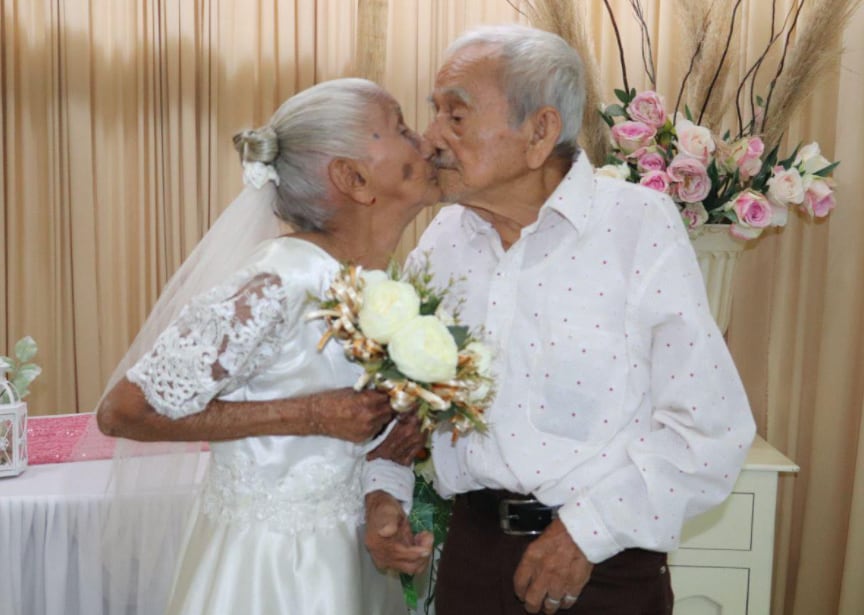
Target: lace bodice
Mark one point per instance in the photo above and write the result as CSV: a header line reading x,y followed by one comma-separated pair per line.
x,y
248,340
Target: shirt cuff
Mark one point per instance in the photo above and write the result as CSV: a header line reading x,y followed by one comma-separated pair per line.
x,y
389,476
587,530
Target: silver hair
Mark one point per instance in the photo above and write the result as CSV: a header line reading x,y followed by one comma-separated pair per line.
x,y
538,68
309,130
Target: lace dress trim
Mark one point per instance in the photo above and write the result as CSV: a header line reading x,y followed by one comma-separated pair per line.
x,y
214,346
314,495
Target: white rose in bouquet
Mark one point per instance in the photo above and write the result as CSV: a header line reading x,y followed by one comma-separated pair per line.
x,y
387,306
423,349
373,276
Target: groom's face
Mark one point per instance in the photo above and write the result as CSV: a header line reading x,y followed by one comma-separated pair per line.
x,y
476,150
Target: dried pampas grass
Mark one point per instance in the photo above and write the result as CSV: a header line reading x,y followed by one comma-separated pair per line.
x,y
706,29
811,56
567,19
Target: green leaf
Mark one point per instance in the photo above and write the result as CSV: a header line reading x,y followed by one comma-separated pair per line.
x,y
6,363
759,101
460,334
428,307
622,96
391,373
409,590
687,113
616,110
25,349
606,118
827,170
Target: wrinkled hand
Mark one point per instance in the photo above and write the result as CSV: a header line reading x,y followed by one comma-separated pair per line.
x,y
389,539
552,566
403,442
350,415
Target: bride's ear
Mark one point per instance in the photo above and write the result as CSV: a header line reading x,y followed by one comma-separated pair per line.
x,y
349,177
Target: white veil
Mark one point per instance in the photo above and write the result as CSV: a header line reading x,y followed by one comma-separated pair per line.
x,y
153,484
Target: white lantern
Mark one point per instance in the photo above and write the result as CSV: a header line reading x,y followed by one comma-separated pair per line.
x,y
13,430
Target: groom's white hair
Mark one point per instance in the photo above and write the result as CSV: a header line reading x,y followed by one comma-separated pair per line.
x,y
538,68
309,130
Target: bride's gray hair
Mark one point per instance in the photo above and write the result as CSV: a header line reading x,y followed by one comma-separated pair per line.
x,y
309,130
538,68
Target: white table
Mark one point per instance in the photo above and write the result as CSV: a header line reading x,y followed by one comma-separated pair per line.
x,y
52,519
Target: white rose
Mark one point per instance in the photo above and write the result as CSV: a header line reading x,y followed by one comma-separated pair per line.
x,y
694,140
615,171
387,305
785,187
812,158
424,350
373,276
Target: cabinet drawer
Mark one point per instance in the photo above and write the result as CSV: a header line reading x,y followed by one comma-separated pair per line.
x,y
710,590
726,527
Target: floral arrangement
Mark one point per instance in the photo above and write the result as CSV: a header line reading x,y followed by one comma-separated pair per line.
x,y
718,167
408,345
713,179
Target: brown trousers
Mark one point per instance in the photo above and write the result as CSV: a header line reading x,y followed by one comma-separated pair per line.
x,y
475,574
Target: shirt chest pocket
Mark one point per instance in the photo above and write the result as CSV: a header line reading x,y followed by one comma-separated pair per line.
x,y
579,385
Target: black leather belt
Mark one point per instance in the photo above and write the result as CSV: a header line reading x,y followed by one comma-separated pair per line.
x,y
516,514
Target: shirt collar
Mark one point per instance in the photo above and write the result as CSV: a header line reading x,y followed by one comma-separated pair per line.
x,y
574,196
572,199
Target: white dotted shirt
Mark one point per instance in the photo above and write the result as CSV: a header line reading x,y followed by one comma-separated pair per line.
x,y
616,394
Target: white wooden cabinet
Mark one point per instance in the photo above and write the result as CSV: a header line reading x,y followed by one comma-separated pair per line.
x,y
724,563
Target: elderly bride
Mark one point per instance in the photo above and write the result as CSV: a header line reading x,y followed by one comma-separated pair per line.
x,y
276,526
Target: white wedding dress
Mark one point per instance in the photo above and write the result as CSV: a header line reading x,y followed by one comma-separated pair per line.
x,y
276,528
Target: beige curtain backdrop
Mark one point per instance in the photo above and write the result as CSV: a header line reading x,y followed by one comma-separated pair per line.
x,y
115,149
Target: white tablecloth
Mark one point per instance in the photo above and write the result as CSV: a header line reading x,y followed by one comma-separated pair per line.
x,y
51,537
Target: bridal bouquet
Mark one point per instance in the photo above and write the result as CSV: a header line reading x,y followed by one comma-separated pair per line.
x,y
394,325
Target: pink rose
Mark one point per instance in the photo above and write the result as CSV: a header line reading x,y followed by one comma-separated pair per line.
x,y
753,213
656,180
819,198
691,182
647,108
750,163
631,136
694,141
694,215
651,161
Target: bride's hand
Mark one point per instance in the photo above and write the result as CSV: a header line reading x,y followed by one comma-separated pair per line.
x,y
349,415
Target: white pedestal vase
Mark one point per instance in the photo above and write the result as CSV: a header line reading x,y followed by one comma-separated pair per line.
x,y
717,252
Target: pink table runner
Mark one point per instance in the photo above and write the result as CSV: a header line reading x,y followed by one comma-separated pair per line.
x,y
58,439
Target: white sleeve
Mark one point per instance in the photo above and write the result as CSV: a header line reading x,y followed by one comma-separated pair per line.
x,y
216,344
389,476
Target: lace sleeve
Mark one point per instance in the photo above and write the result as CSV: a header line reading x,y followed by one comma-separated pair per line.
x,y
215,345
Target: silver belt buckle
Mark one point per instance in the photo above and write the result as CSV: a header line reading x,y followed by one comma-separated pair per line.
x,y
504,517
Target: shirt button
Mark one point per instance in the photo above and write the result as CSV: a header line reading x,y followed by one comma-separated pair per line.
x,y
662,569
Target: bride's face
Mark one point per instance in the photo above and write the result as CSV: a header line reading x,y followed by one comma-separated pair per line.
x,y
399,171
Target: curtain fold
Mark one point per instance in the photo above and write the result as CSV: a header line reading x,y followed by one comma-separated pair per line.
x,y
116,157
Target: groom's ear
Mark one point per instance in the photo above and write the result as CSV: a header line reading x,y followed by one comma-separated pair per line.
x,y
544,128
349,178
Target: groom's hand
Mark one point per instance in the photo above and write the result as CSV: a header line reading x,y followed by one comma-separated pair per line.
x,y
403,442
389,539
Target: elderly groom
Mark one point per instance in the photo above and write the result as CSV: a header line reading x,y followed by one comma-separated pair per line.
x,y
619,413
